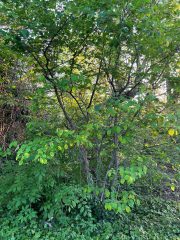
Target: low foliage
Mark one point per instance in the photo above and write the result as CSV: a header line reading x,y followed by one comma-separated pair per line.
x,y
36,203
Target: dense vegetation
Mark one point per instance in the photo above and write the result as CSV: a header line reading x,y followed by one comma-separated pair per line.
x,y
89,117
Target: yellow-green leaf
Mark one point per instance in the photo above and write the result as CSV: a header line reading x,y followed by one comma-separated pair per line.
x,y
128,210
66,146
171,132
26,155
173,188
43,161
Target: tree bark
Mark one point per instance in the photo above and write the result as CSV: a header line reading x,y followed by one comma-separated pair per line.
x,y
85,164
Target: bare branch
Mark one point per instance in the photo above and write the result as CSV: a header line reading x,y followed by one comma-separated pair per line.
x,y
71,124
95,85
72,95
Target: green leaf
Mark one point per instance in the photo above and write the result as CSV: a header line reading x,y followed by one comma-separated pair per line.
x,y
117,129
107,193
128,209
122,181
24,33
109,132
13,144
52,154
138,202
66,146
108,206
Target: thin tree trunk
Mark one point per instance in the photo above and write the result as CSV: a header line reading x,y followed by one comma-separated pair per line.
x,y
115,156
68,119
82,150
115,151
85,164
